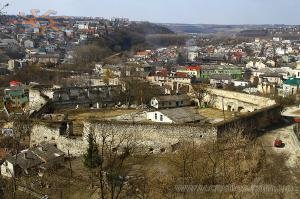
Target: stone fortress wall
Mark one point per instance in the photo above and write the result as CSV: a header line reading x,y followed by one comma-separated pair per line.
x,y
259,112
235,101
152,136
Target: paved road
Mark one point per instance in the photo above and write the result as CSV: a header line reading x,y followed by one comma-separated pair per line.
x,y
289,138
291,112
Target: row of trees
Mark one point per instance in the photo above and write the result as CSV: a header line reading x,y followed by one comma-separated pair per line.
x,y
32,73
138,92
90,53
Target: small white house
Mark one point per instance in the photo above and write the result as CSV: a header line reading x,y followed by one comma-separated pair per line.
x,y
8,169
32,160
175,115
239,83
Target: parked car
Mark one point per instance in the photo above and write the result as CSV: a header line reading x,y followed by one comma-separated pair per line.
x,y
278,143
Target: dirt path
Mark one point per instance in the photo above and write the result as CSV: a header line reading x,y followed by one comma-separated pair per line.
x,y
291,148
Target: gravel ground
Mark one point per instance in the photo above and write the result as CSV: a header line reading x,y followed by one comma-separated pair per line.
x,y
291,144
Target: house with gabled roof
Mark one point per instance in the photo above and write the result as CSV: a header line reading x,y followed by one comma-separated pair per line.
x,y
170,101
291,86
176,115
33,160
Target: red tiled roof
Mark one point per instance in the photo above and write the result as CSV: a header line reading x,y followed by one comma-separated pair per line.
x,y
238,54
142,53
15,83
163,72
180,74
193,67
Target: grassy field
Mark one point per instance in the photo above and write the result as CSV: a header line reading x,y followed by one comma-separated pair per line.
x,y
97,114
215,113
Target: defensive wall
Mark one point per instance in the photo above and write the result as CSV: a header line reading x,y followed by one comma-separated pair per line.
x,y
159,137
258,113
152,136
235,101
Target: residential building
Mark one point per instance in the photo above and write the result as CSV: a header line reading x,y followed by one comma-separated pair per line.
x,y
88,96
240,83
176,115
192,71
233,71
170,101
4,71
291,86
32,161
45,58
16,98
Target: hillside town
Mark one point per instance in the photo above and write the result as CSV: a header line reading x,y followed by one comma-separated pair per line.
x,y
89,105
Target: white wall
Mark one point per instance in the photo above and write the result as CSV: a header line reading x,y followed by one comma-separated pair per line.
x,y
7,169
240,83
289,89
154,103
36,101
296,73
159,115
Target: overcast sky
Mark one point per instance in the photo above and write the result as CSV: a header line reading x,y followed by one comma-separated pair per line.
x,y
172,11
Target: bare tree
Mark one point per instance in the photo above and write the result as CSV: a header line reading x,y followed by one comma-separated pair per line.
x,y
233,159
119,154
203,95
21,126
138,91
87,54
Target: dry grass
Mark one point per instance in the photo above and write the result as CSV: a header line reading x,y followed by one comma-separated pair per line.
x,y
96,114
215,113
296,112
57,185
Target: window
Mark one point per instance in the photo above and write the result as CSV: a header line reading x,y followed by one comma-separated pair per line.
x,y
155,116
161,118
181,102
